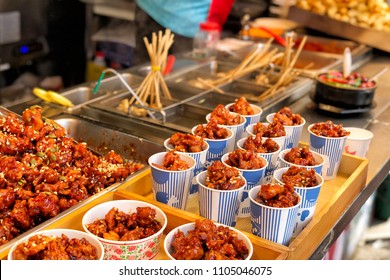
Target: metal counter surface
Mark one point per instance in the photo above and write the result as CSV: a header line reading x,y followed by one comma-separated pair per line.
x,y
377,120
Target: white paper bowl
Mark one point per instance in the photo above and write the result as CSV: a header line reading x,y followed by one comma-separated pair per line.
x,y
190,226
71,233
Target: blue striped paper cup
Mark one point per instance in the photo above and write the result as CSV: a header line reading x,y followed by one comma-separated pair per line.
x,y
218,205
331,148
253,177
171,187
280,140
309,200
238,130
319,160
217,147
271,223
293,132
250,119
200,160
271,158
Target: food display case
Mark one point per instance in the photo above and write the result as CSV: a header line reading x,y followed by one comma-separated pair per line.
x,y
129,147
98,119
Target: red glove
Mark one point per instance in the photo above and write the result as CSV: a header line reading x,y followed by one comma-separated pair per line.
x,y
219,11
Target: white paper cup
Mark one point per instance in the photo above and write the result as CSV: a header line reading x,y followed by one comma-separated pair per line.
x,y
271,158
253,177
331,148
293,132
171,187
200,163
318,158
280,140
309,200
191,226
217,147
250,119
358,141
271,223
238,130
219,205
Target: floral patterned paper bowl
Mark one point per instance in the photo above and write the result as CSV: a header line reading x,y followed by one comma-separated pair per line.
x,y
142,249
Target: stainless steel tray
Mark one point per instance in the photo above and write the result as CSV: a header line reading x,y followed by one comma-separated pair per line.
x,y
211,99
179,116
181,64
179,95
206,70
128,146
82,94
370,37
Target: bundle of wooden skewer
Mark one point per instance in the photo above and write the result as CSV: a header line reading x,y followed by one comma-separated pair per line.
x,y
260,59
279,80
151,88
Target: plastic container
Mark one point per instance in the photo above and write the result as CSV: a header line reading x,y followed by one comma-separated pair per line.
x,y
206,39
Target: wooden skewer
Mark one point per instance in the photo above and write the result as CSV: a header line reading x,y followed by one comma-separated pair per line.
x,y
154,84
210,85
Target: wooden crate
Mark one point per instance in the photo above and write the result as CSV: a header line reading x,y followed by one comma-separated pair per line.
x,y
175,217
335,197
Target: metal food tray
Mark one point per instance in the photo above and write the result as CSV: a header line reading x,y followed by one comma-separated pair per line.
x,y
82,95
179,95
192,104
81,130
181,63
177,117
206,70
330,57
252,92
370,37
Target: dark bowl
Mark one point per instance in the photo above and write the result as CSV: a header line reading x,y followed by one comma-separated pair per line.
x,y
348,98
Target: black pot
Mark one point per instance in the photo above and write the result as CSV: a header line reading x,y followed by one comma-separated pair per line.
x,y
348,98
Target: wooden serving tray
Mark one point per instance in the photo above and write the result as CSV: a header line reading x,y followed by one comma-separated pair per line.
x,y
335,197
262,249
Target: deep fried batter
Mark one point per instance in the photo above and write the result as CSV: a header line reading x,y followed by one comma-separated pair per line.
x,y
245,159
42,247
241,106
211,131
172,161
208,241
43,172
222,177
118,225
276,195
300,156
186,142
329,129
223,116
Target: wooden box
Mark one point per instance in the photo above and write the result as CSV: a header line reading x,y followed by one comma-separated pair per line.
x,y
335,197
262,249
